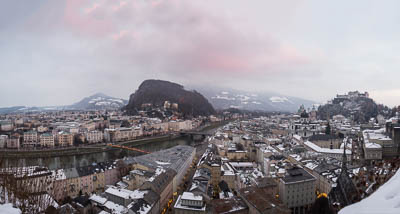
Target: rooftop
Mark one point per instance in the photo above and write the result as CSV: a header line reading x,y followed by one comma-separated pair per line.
x,y
172,158
191,196
296,174
179,205
325,150
262,201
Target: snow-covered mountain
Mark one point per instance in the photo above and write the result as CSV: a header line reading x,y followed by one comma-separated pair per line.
x,y
25,109
98,101
266,101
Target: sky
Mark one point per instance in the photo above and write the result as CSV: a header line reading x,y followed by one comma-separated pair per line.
x,y
57,52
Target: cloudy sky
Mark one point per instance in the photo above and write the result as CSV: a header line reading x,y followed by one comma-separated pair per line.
x,y
56,52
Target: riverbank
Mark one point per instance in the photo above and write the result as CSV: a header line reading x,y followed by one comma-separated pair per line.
x,y
95,148
81,150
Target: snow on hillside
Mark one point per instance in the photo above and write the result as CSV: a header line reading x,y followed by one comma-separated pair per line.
x,y
223,97
265,101
386,200
105,101
99,101
278,99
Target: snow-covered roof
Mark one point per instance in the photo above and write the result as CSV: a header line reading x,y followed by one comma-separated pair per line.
x,y
242,164
373,146
98,199
227,169
137,194
191,196
122,193
116,208
325,150
179,205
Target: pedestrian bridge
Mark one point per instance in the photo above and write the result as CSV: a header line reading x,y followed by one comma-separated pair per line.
x,y
195,135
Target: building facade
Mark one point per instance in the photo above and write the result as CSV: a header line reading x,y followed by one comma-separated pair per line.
x,y
30,139
65,139
297,189
46,140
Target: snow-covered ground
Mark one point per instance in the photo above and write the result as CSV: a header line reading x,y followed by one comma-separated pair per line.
x,y
9,209
386,200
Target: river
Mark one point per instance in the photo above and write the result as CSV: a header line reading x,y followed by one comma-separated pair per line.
x,y
79,160
86,159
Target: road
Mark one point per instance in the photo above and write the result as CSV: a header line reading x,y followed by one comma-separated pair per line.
x,y
187,182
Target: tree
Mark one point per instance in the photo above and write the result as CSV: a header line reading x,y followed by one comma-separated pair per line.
x,y
126,124
122,169
240,147
78,140
328,129
27,192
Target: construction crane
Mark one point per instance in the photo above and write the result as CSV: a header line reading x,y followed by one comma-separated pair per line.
x,y
128,148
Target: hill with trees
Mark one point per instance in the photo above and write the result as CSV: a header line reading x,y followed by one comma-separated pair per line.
x,y
155,93
359,108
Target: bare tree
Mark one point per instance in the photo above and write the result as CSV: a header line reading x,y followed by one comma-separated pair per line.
x,y
27,188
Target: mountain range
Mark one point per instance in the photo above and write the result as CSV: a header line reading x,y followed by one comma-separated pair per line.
x,y
219,98
223,98
98,101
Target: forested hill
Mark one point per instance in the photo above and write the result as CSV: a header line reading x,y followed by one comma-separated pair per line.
x,y
156,92
361,109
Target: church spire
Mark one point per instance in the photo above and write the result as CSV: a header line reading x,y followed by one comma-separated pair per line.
x,y
344,158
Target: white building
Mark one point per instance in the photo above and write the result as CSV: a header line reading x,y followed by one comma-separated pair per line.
x,y
180,125
373,144
297,189
47,140
94,136
190,203
304,129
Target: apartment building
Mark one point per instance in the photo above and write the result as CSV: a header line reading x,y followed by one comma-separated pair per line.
x,y
13,142
65,139
46,140
94,136
30,138
297,189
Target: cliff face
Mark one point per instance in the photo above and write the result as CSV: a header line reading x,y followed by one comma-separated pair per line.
x,y
157,92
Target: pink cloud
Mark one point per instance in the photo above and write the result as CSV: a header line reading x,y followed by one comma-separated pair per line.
x,y
92,8
119,35
176,37
119,5
80,22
